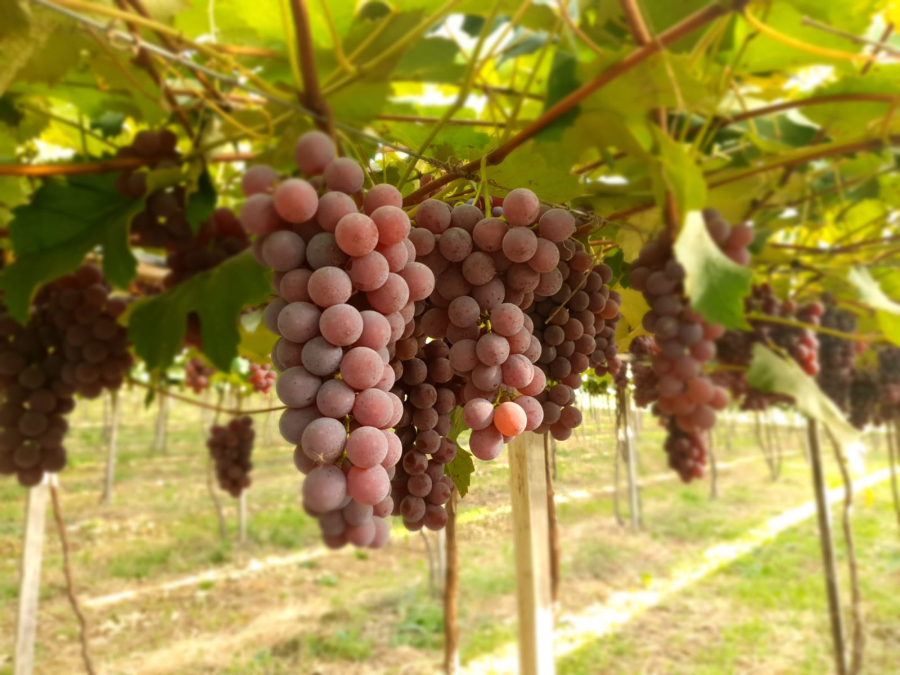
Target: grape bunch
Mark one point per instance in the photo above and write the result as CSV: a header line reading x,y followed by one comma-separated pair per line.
x,y
71,344
686,398
163,222
219,238
197,374
735,347
231,448
837,356
262,378
864,399
889,383
347,283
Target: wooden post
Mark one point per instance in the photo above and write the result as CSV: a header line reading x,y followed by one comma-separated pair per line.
x,y
552,525
713,466
633,505
828,558
30,586
528,491
451,593
111,450
242,517
159,438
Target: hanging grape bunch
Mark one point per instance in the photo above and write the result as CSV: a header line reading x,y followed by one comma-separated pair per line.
x,y
686,398
71,344
231,448
262,378
837,356
889,383
735,347
197,374
218,239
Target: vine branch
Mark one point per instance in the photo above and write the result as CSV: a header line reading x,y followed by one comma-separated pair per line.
x,y
312,93
70,586
201,404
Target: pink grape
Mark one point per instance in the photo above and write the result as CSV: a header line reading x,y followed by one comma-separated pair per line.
x,y
368,272
366,447
361,368
293,422
294,285
356,514
324,489
486,444
271,314
313,152
330,286
419,280
423,240
464,311
335,399
341,325
380,195
323,440
492,349
376,331
396,255
332,207
534,413
320,357
556,225
297,388
368,485
344,175
510,419
258,215
283,251
489,234
517,371
507,319
296,200
466,216
258,179
546,255
478,414
521,207
463,356
537,385
323,251
373,408
356,234
392,224
433,215
455,244
299,321
391,297
519,244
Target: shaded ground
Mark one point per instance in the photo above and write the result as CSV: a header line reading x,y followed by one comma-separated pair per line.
x,y
356,612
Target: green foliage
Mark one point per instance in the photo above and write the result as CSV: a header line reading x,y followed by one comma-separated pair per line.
x,y
770,373
715,284
462,467
65,220
157,324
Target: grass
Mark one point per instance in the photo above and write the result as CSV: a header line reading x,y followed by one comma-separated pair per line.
x,y
372,612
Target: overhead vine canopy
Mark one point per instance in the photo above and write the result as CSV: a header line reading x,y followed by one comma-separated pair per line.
x,y
632,113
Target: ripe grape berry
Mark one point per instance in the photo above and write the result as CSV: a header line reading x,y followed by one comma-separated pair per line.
x,y
197,374
262,378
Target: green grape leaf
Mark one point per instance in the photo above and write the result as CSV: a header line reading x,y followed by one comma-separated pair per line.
x,y
257,341
360,102
770,373
65,220
679,175
462,467
201,201
887,312
431,60
157,324
715,284
527,168
633,308
561,82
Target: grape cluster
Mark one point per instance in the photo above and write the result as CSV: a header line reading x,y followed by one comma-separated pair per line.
x,y
71,344
197,374
163,222
889,383
686,398
231,448
837,356
262,378
735,347
347,283
864,399
218,239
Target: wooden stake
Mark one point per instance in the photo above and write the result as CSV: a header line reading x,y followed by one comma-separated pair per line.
x,y
633,505
828,557
451,593
111,449
242,517
528,483
552,526
30,585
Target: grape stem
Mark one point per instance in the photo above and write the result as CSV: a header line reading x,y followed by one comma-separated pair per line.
x,y
312,93
578,32
201,404
67,570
